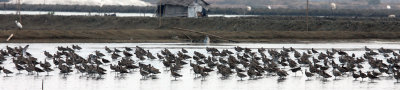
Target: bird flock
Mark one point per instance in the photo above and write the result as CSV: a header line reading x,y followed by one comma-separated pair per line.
x,y
241,62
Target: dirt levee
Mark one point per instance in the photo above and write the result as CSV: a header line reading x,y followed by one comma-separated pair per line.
x,y
146,29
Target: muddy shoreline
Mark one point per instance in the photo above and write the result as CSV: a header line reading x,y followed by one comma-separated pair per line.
x,y
180,41
96,29
176,36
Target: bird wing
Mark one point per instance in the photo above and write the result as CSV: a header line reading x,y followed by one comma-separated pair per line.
x,y
24,50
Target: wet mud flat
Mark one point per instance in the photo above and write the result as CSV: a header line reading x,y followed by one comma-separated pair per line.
x,y
170,35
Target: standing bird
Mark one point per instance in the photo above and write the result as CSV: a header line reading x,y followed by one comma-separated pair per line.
x,y
19,25
19,68
367,49
362,75
308,74
371,76
108,49
184,50
105,60
313,50
241,75
333,6
6,71
355,76
144,74
336,73
396,75
159,56
282,74
38,70
175,75
325,75
294,70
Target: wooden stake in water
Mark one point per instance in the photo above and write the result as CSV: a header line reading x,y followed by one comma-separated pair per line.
x,y
8,39
42,84
307,16
19,10
160,14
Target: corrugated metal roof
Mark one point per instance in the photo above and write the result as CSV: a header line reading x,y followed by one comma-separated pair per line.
x,y
183,2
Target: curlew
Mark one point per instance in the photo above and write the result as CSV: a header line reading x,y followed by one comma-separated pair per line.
x,y
294,70
107,49
367,49
6,71
38,70
355,76
241,75
325,75
336,73
371,76
144,73
362,75
175,74
282,74
308,74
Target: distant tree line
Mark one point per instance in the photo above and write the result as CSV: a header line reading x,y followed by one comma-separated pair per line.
x,y
235,11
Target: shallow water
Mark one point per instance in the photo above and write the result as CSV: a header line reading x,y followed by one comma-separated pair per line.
x,y
165,82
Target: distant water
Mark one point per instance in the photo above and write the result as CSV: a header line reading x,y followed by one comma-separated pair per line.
x,y
118,14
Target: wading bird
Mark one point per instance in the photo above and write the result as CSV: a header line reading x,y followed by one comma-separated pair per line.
x,y
19,25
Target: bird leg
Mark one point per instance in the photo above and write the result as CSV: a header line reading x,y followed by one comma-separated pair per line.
x,y
301,72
